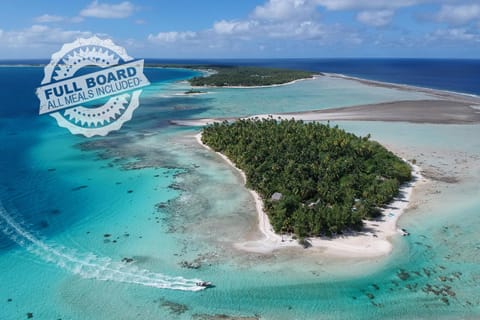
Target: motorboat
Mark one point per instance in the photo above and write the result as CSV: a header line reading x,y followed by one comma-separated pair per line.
x,y
205,284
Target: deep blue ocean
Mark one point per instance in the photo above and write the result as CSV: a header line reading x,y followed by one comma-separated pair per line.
x,y
445,74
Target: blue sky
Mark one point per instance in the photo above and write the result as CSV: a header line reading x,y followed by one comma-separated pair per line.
x,y
247,28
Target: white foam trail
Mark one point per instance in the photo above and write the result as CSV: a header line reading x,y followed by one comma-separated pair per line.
x,y
88,265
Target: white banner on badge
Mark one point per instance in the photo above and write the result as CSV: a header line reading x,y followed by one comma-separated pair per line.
x,y
77,90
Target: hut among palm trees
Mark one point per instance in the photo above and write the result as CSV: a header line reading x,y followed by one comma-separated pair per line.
x,y
276,196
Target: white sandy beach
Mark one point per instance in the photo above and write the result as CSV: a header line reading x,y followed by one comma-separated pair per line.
x,y
373,241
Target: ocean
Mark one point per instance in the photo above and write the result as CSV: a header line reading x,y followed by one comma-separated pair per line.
x,y
105,228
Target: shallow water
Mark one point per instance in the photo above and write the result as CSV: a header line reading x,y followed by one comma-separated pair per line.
x,y
320,93
151,194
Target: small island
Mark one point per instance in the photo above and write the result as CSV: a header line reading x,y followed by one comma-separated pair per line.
x,y
243,76
314,179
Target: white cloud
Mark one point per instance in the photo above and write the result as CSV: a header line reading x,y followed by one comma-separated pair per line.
x,y
285,10
375,18
460,14
172,36
38,28
38,36
248,29
276,20
366,4
292,20
371,12
77,19
47,18
303,30
234,27
283,22
133,43
108,11
454,34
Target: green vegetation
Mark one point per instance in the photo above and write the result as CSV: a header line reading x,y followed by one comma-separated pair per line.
x,y
329,179
249,76
245,76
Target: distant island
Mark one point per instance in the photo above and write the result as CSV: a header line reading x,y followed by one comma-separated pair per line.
x,y
239,76
242,76
314,179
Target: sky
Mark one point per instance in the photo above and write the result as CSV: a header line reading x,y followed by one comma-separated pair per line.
x,y
247,28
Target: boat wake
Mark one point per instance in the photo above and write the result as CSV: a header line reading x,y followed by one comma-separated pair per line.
x,y
88,265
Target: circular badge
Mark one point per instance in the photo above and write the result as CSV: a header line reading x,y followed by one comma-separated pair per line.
x,y
91,87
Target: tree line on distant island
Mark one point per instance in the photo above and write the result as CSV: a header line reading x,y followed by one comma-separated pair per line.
x,y
249,76
330,180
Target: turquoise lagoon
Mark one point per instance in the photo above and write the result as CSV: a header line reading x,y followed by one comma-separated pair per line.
x,y
74,208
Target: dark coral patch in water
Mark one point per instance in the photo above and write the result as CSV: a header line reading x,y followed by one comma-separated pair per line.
x,y
43,224
403,275
79,188
173,307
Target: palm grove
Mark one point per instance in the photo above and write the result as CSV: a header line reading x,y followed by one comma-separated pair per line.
x,y
330,180
249,76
